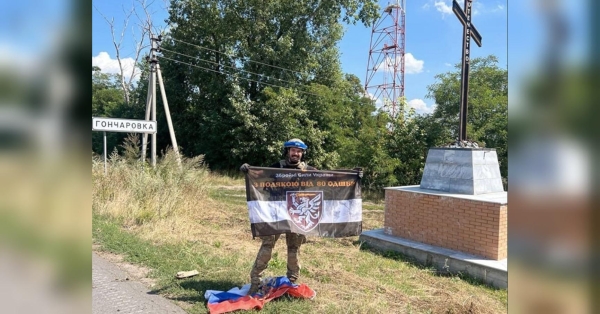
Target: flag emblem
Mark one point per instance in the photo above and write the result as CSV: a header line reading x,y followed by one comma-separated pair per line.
x,y
305,208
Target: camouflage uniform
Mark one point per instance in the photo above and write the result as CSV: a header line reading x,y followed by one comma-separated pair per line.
x,y
293,241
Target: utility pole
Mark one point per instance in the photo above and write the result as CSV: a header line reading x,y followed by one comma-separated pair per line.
x,y
151,103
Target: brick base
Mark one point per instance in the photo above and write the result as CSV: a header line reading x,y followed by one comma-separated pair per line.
x,y
463,224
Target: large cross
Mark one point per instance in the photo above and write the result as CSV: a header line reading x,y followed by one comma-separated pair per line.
x,y
468,31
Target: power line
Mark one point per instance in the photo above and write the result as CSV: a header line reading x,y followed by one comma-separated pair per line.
x,y
251,80
232,56
228,66
239,77
236,76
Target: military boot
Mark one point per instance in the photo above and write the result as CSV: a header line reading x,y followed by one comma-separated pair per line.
x,y
292,278
253,289
254,285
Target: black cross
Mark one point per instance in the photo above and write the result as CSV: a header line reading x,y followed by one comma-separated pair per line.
x,y
468,31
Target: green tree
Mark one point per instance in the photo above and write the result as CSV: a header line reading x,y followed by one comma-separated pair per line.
x,y
409,141
487,119
373,154
256,74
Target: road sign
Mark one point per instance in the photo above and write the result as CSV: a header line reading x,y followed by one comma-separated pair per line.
x,y
123,125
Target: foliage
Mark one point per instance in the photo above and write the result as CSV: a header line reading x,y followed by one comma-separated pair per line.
x,y
410,141
257,74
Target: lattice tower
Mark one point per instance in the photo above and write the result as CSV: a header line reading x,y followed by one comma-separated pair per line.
x,y
385,67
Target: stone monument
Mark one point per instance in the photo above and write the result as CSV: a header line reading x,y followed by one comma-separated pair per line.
x,y
471,171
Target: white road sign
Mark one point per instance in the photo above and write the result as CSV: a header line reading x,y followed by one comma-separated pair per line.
x,y
123,125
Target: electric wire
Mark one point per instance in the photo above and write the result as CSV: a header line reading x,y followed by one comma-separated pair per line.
x,y
232,56
229,66
236,76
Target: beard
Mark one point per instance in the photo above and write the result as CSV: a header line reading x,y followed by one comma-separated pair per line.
x,y
293,160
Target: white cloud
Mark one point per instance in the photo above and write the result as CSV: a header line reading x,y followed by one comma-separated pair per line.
x,y
441,6
387,65
420,106
447,64
480,8
109,65
445,7
411,64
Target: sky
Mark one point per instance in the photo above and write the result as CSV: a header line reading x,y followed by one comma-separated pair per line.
x,y
433,40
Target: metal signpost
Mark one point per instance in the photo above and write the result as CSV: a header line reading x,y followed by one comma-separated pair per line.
x,y
121,125
468,31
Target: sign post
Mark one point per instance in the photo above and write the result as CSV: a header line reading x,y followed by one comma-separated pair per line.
x,y
121,125
104,152
468,31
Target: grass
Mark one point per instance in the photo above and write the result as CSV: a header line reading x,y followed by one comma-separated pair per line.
x,y
170,220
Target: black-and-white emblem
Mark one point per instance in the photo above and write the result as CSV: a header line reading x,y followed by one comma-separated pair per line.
x,y
305,208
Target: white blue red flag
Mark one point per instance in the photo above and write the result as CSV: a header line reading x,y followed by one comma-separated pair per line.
x,y
238,299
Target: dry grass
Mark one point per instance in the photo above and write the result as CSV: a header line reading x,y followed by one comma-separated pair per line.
x,y
171,206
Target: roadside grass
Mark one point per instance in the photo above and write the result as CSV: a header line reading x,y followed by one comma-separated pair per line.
x,y
172,220
225,180
229,196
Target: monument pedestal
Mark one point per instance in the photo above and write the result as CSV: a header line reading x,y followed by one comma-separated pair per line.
x,y
460,206
473,224
471,171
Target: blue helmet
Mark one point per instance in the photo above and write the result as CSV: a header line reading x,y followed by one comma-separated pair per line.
x,y
295,143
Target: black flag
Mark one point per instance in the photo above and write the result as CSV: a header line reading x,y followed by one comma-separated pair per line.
x,y
313,202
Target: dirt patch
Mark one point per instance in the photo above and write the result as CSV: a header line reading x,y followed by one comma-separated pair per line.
x,y
135,272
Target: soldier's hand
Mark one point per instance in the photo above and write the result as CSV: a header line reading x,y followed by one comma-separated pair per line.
x,y
244,168
360,172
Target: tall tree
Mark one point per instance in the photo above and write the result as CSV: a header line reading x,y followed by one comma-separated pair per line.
x,y
247,75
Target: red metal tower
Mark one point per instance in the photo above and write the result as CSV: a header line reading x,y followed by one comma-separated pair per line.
x,y
385,68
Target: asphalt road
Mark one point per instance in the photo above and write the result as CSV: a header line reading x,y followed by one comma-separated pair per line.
x,y
114,292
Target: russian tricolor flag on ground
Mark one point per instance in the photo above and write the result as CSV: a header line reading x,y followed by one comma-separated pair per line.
x,y
237,298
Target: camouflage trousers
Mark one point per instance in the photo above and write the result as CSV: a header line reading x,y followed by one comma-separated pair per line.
x,y
293,241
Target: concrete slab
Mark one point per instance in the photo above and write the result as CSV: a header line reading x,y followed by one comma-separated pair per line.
x,y
497,197
494,273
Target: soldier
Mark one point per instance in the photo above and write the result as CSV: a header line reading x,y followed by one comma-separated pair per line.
x,y
294,151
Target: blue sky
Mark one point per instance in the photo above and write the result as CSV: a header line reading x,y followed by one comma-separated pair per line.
x,y
433,38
